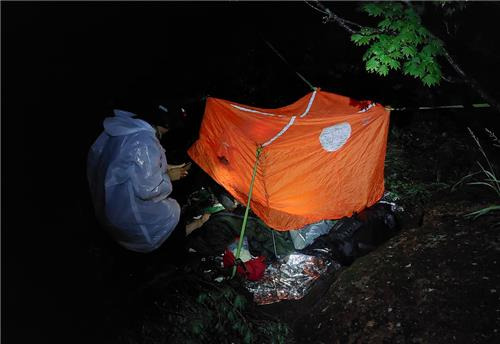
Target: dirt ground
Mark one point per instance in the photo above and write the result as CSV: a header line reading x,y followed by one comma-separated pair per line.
x,y
437,283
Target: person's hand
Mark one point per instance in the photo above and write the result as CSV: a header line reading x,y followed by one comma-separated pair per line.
x,y
197,223
186,164
176,172
204,218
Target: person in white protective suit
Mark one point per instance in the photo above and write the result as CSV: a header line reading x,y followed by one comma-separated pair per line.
x,y
130,181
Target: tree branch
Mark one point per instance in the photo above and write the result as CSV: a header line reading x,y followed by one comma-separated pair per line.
x,y
314,7
473,84
332,16
347,25
452,79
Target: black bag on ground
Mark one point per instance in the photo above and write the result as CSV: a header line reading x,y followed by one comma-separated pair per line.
x,y
223,227
352,237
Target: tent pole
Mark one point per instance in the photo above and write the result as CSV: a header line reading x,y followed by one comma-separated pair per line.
x,y
245,218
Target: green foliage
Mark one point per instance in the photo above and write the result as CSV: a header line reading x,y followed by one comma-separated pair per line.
x,y
189,307
217,315
418,192
400,42
474,215
489,179
410,170
221,315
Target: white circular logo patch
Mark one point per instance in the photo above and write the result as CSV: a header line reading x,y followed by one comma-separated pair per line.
x,y
334,137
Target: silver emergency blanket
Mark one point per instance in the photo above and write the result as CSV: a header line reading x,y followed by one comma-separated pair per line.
x,y
306,235
289,278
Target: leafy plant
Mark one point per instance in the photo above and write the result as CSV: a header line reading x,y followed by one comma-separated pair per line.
x,y
223,315
399,41
415,191
489,180
474,215
187,308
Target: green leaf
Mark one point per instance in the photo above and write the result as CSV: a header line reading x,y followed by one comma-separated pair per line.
x,y
411,16
408,51
196,327
392,9
384,39
413,68
433,68
377,48
356,37
372,64
367,54
364,40
201,298
396,55
385,59
434,47
399,24
373,10
366,31
393,64
237,326
430,80
482,211
460,182
437,46
385,24
239,302
422,31
426,59
483,183
406,35
383,70
247,339
393,46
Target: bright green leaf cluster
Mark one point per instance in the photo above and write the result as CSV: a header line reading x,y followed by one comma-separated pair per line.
x,y
400,41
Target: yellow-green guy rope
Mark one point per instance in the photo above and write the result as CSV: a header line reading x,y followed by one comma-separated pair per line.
x,y
245,218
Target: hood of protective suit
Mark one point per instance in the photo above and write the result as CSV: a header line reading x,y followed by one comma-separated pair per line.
x,y
124,123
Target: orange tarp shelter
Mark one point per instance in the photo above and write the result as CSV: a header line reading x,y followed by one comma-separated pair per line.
x,y
322,157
